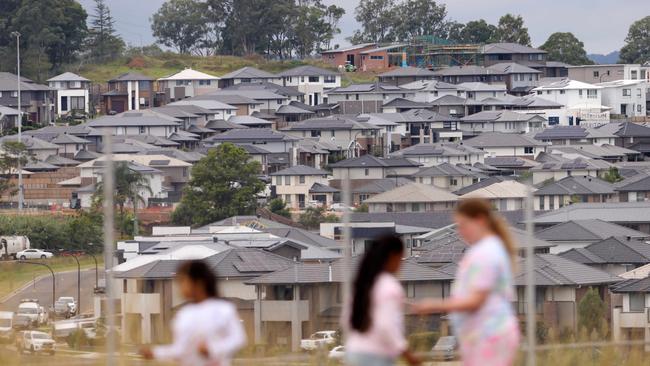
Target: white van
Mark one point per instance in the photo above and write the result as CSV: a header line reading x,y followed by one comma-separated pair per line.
x,y
31,309
6,325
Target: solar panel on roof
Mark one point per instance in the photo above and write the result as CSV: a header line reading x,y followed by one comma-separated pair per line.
x,y
159,162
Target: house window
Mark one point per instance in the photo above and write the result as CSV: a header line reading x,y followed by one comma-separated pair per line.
x,y
287,199
77,103
287,180
366,172
636,302
142,129
347,96
148,286
329,79
125,286
314,79
541,203
363,197
627,92
356,96
638,92
315,133
551,203
633,74
596,74
580,93
205,82
453,181
376,57
302,179
592,94
14,94
638,108
415,207
562,91
539,92
553,121
332,133
528,150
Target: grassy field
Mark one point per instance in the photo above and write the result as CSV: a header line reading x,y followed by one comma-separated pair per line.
x,y
14,275
169,63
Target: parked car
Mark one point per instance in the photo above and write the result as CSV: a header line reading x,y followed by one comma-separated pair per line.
x,y
339,207
6,326
72,304
62,309
31,309
337,353
445,349
33,254
21,322
34,342
11,245
318,340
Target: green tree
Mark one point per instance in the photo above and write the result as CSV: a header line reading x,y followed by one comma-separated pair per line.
x,y
14,155
511,29
565,47
224,183
129,186
425,18
180,24
637,43
612,175
103,42
478,31
592,312
279,207
377,19
314,216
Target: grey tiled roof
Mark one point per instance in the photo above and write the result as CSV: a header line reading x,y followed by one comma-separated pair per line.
x,y
501,116
248,73
632,285
407,71
251,135
619,212
381,185
613,250
500,139
449,100
483,183
321,188
434,220
637,183
300,170
438,149
307,70
336,272
68,76
504,47
580,185
553,270
8,82
336,122
131,76
371,161
444,170
587,230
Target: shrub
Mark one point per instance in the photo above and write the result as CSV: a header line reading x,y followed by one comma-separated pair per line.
x,y
77,339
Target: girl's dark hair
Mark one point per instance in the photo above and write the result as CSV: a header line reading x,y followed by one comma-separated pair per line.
x,y
372,265
199,272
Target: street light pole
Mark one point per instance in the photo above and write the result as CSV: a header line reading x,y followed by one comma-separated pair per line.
x,y
53,278
20,124
78,284
96,267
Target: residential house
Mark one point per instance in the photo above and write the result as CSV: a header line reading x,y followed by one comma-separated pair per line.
x,y
501,144
72,93
131,91
582,103
576,135
8,118
496,53
630,316
609,153
368,167
340,57
519,79
429,90
291,92
186,84
634,188
444,152
350,135
447,176
247,75
501,121
218,110
630,135
301,186
579,233
244,105
555,167
265,101
508,195
403,75
306,297
468,74
137,123
313,81
372,187
602,73
414,197
36,100
627,98
378,58
425,126
573,189
615,255
37,148
481,91
450,105
365,98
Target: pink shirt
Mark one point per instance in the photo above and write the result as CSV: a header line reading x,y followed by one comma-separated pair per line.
x,y
385,337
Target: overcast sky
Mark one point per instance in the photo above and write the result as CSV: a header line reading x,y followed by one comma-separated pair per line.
x,y
601,24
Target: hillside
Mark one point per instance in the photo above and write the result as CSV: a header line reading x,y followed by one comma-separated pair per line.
x,y
169,63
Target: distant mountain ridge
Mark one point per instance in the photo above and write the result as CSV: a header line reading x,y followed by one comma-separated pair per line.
x,y
610,58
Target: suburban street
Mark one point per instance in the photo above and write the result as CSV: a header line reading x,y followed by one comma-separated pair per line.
x,y
66,285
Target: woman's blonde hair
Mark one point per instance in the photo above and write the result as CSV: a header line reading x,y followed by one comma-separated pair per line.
x,y
476,208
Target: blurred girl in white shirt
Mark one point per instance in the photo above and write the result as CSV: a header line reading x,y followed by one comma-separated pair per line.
x,y
207,331
376,323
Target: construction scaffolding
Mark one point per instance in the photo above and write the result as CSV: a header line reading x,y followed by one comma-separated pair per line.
x,y
434,53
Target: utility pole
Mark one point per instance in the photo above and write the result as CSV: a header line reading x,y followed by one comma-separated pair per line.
x,y
21,195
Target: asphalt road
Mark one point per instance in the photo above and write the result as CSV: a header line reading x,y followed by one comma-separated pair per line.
x,y
66,285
